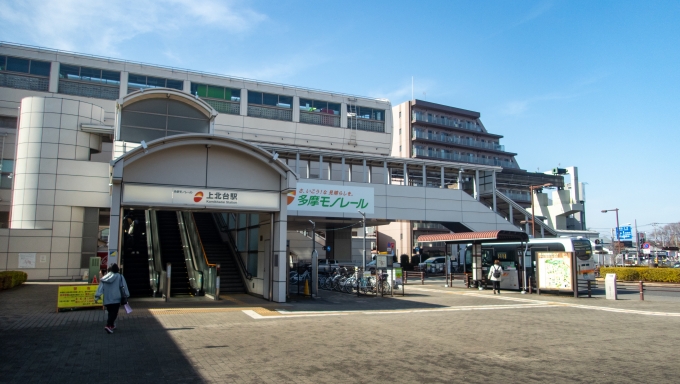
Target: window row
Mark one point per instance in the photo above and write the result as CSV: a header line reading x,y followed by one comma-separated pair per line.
x,y
94,75
19,65
216,92
137,82
449,121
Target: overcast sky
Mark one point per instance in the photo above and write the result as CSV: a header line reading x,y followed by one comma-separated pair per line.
x,y
594,84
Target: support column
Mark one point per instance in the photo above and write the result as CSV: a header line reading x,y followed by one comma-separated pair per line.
x,y
493,186
349,172
477,184
244,102
512,220
54,78
405,175
186,86
297,163
364,172
542,232
343,115
385,172
460,179
123,84
424,175
526,225
296,109
320,166
342,169
278,246
442,178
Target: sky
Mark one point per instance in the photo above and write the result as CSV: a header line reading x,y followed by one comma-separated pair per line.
x,y
592,84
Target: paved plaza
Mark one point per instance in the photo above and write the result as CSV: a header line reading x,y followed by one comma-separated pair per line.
x,y
433,334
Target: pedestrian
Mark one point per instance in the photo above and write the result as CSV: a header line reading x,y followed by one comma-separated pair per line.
x,y
115,291
495,275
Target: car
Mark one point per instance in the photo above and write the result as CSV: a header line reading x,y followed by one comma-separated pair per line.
x,y
371,265
677,264
327,265
436,264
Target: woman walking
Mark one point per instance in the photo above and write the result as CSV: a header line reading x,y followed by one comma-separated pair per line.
x,y
115,291
495,275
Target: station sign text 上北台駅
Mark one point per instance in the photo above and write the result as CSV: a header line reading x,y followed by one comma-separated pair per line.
x,y
204,197
331,198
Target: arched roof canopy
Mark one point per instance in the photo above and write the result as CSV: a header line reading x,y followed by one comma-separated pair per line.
x,y
169,93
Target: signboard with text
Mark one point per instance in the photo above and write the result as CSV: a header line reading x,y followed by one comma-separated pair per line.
x,y
554,270
201,197
626,233
77,296
331,198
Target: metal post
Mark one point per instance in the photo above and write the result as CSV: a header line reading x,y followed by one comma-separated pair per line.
x,y
510,214
493,186
315,260
363,220
320,166
168,269
589,289
342,169
442,177
217,281
297,163
405,175
424,176
364,172
642,291
385,174
477,184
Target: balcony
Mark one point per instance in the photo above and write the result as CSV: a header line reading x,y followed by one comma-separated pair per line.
x,y
366,125
270,112
457,141
32,83
435,154
222,106
458,124
97,91
320,119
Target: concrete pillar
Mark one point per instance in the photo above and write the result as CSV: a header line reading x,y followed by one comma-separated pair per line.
x,y
460,179
342,169
244,102
424,175
297,163
442,178
279,252
123,85
476,184
386,173
542,232
493,187
405,175
54,77
296,109
320,167
186,86
343,115
526,225
512,221
364,171
349,174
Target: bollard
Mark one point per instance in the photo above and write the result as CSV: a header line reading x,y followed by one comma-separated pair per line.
x,y
168,269
217,281
642,291
589,291
530,288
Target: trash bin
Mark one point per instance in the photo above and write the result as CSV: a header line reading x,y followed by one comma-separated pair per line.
x,y
610,286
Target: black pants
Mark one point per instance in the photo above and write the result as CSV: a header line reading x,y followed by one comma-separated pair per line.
x,y
496,285
112,309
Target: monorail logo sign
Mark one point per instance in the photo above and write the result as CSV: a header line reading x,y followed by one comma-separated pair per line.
x,y
331,198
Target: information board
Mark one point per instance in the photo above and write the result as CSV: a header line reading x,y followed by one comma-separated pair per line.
x,y
398,274
554,270
77,296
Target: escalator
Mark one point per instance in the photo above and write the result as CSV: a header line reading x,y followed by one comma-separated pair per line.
x,y
136,256
218,252
172,252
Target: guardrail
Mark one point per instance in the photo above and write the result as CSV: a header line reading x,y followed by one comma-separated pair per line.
x,y
412,274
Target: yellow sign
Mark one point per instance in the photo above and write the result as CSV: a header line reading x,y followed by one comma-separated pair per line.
x,y
77,296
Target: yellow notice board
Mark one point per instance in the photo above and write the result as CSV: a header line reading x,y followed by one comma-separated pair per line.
x,y
77,296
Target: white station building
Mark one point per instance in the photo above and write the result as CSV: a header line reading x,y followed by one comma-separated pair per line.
x,y
209,169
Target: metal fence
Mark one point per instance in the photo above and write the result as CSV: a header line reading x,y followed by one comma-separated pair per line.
x,y
77,88
224,106
320,119
270,113
24,82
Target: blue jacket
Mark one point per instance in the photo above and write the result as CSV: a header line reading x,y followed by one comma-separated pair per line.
x,y
110,287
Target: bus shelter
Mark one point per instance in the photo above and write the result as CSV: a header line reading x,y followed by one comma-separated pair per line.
x,y
476,239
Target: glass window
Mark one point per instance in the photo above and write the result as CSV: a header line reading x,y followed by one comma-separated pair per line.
x,y
370,113
40,68
216,92
8,122
72,72
261,98
175,84
3,63
136,82
242,220
241,239
16,64
253,238
255,219
307,105
252,263
151,119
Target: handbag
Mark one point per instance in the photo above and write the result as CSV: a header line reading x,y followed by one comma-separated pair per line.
x,y
123,298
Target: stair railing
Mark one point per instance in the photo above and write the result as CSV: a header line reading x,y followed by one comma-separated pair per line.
x,y
224,227
195,274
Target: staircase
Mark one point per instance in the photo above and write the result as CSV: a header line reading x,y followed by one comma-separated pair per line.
x,y
136,257
173,252
218,252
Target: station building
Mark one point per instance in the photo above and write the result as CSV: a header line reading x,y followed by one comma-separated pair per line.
x,y
206,169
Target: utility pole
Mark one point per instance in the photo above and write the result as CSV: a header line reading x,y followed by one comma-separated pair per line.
x,y
363,262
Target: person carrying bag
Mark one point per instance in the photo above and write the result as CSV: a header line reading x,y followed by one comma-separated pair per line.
x,y
495,275
115,291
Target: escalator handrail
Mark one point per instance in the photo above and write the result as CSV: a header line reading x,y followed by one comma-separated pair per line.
x,y
189,256
200,241
224,227
153,274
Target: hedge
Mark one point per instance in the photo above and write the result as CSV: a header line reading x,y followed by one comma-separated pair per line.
x,y
10,279
662,275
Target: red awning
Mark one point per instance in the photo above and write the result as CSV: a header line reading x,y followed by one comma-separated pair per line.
x,y
475,237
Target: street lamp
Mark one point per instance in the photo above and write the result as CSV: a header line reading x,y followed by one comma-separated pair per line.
x,y
618,240
533,217
363,263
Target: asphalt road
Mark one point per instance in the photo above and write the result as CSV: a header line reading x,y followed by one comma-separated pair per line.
x,y
433,334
